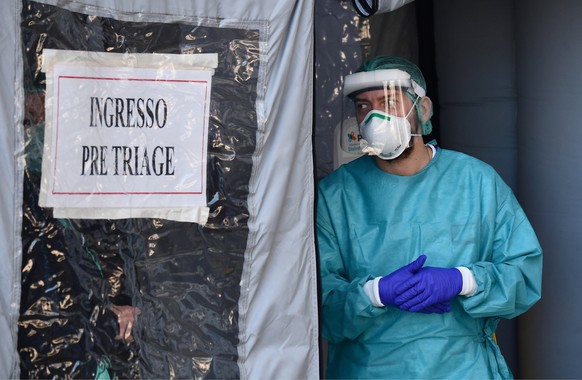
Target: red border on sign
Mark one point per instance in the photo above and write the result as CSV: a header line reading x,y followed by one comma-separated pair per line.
x,y
203,171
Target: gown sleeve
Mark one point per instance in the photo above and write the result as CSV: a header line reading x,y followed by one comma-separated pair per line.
x,y
509,281
346,308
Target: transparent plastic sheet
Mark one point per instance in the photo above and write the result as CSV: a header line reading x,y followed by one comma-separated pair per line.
x,y
180,280
342,43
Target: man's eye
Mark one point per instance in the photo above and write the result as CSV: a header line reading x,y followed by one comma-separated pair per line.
x,y
390,103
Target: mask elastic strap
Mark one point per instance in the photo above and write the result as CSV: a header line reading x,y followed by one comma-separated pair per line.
x,y
410,111
386,105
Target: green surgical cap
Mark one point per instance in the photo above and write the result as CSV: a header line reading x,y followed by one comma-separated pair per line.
x,y
383,62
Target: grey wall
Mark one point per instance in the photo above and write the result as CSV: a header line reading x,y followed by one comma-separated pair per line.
x,y
475,64
549,125
511,94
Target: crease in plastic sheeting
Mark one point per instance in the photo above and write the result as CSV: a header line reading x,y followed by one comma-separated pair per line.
x,y
171,12
189,214
183,277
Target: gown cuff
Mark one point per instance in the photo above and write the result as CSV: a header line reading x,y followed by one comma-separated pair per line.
x,y
469,283
371,289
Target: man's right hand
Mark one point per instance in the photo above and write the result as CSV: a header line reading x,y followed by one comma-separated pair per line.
x,y
388,284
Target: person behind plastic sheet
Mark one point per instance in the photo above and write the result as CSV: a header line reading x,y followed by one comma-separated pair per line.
x,y
422,249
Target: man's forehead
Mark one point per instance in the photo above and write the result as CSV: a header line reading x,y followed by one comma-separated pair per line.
x,y
378,94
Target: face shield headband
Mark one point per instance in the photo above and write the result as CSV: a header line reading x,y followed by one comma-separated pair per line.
x,y
364,81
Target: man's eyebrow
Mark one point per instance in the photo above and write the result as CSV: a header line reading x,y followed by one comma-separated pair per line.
x,y
389,96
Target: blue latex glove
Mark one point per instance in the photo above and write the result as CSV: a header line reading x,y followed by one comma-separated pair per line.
x,y
388,284
428,287
437,308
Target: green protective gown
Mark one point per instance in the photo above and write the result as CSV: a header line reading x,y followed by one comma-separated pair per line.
x,y
457,211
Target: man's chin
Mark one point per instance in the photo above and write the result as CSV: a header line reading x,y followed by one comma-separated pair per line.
x,y
403,156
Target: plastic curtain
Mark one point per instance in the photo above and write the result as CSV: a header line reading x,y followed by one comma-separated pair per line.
x,y
342,43
204,301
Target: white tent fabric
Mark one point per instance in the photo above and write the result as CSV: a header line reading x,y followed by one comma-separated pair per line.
x,y
10,255
278,333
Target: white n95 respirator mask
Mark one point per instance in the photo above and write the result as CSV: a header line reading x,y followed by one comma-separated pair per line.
x,y
385,135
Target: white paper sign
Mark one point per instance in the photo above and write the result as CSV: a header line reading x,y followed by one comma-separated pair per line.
x,y
120,136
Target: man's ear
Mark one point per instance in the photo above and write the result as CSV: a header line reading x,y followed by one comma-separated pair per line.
x,y
425,109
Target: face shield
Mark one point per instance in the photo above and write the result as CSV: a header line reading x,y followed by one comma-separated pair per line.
x,y
385,101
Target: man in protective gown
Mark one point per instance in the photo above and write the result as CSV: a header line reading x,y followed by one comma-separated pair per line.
x,y
422,249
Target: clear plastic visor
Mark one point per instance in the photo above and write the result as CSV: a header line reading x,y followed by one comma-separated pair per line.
x,y
391,97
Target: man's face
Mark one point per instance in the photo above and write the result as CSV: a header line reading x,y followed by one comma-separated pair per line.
x,y
392,101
